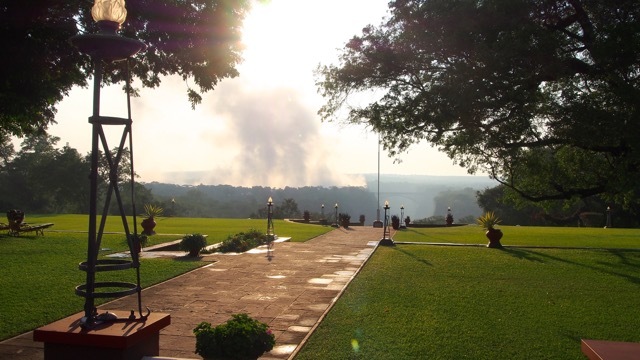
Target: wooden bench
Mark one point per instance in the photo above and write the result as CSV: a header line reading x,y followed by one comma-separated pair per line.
x,y
17,226
23,228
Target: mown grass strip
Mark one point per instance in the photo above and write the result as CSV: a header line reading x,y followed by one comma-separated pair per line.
x,y
427,302
40,273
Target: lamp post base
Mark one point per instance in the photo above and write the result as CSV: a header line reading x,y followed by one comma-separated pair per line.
x,y
377,224
387,242
66,339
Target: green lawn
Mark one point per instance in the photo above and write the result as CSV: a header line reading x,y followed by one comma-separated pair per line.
x,y
527,236
216,229
39,273
443,302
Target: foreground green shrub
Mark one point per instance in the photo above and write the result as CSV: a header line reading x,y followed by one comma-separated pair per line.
x,y
193,243
239,338
242,242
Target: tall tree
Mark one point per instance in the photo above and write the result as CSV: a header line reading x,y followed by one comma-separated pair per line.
x,y
44,179
544,95
197,40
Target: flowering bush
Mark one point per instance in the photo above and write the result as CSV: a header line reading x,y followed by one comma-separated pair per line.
x,y
239,338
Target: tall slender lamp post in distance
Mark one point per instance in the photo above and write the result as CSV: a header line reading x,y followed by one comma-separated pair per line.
x,y
270,231
386,235
337,224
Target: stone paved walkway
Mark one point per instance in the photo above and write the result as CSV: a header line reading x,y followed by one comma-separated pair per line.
x,y
289,289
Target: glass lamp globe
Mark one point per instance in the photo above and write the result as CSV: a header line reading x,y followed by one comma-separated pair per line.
x,y
109,10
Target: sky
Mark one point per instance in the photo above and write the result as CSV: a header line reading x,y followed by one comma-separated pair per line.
x,y
261,128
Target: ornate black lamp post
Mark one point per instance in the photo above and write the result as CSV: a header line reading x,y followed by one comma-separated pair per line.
x,y
402,226
337,223
386,235
322,212
104,47
608,217
270,231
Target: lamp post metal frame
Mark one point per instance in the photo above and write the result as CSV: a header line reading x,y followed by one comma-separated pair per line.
x,y
104,47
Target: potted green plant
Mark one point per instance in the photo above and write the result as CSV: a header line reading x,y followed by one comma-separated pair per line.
x,y
150,213
488,221
241,337
193,243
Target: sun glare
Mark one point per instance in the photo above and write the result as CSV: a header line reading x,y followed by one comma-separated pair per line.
x,y
273,40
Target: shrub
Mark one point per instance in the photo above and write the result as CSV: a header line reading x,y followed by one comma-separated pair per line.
x,y
137,242
306,215
242,242
395,222
344,219
241,337
361,219
193,243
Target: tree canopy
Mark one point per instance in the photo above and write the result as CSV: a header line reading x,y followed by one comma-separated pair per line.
x,y
544,95
197,40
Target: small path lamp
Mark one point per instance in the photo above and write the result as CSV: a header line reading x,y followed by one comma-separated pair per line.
x,y
402,226
608,217
336,224
322,212
106,47
270,231
386,235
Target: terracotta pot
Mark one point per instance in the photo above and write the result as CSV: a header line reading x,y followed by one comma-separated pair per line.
x,y
148,225
494,236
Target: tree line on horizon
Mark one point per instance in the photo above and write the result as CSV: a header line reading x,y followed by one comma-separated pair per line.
x,y
40,178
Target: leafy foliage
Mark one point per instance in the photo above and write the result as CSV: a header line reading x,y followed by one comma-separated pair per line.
x,y
344,220
241,337
152,211
395,222
199,41
542,95
488,220
242,242
193,243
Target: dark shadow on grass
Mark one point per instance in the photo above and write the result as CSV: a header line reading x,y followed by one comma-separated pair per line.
x,y
424,261
521,254
607,268
186,258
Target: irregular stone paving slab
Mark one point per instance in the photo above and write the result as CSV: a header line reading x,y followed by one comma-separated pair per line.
x,y
289,289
